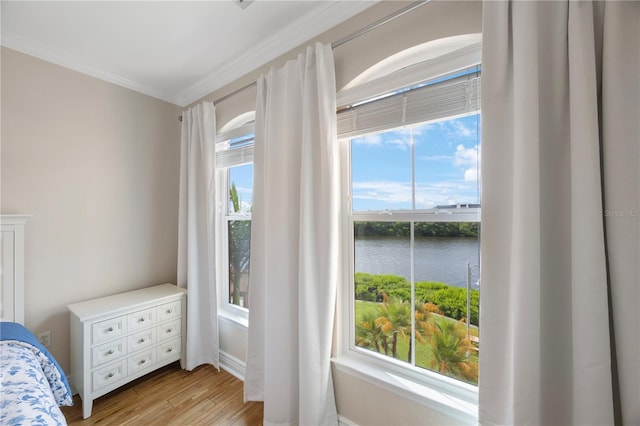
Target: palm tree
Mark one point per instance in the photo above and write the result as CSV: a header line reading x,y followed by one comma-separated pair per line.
x,y
453,352
368,333
394,319
422,327
239,242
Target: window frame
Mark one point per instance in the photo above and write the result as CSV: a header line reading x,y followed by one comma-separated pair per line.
x,y
240,127
449,395
347,311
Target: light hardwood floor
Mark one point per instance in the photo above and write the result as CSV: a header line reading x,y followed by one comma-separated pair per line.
x,y
171,396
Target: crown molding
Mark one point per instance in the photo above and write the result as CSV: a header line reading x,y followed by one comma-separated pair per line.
x,y
280,43
298,32
45,53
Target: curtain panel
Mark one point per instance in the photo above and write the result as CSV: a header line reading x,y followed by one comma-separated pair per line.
x,y
196,234
560,243
294,242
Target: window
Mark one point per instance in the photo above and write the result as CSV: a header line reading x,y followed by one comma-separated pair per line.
x,y
234,168
238,218
413,162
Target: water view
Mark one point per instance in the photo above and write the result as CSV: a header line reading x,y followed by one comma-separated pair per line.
x,y
442,259
435,324
432,324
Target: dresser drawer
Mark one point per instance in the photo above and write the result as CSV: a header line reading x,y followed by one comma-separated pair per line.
x,y
109,329
105,376
168,330
169,349
169,311
108,352
141,340
141,361
141,319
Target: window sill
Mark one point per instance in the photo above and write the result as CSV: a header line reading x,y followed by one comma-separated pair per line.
x,y
233,317
448,403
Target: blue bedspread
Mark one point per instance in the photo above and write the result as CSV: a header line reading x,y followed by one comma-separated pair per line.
x,y
33,384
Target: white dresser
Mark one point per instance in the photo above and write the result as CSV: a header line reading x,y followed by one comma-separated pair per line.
x,y
116,339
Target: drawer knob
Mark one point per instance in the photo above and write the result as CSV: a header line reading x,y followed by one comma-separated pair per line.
x,y
170,311
142,319
141,341
110,329
142,361
110,375
110,352
169,349
170,330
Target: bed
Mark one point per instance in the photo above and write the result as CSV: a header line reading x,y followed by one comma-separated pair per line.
x,y
32,384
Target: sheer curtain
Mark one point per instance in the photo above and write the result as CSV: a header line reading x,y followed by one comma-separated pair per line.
x,y
294,242
561,206
196,257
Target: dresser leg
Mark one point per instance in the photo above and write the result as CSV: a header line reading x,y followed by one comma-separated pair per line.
x,y
87,404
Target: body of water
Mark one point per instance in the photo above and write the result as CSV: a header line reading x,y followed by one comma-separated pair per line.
x,y
441,259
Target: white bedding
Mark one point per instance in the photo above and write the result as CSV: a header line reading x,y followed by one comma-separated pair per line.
x,y
32,388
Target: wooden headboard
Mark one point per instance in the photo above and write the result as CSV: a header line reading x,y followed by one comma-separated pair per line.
x,y
12,267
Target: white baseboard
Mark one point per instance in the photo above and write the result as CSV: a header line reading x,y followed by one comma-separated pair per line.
x,y
232,365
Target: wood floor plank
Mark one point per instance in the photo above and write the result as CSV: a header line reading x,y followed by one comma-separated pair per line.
x,y
172,396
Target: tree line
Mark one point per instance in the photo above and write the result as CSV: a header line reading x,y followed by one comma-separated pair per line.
x,y
421,229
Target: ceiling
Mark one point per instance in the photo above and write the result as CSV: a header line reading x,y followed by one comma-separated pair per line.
x,y
178,51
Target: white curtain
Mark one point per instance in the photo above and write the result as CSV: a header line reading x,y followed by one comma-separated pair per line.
x,y
294,242
196,257
560,213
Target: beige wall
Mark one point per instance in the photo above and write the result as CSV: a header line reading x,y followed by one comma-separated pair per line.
x,y
357,400
366,404
97,166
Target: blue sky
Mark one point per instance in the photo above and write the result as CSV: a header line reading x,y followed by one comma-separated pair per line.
x,y
446,166
243,178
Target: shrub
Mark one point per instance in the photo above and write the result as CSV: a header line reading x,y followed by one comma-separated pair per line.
x,y
449,300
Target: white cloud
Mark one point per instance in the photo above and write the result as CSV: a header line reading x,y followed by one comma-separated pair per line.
x,y
469,159
402,144
389,194
471,175
461,130
465,156
374,139
434,157
399,138
454,130
383,191
245,207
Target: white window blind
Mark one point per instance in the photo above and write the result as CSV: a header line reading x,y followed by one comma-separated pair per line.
x,y
234,156
444,99
234,147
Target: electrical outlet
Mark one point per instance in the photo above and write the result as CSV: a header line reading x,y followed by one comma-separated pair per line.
x,y
45,338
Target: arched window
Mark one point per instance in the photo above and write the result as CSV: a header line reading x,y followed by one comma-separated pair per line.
x,y
410,137
234,173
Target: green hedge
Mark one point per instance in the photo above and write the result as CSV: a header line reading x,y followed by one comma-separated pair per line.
x,y
451,300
